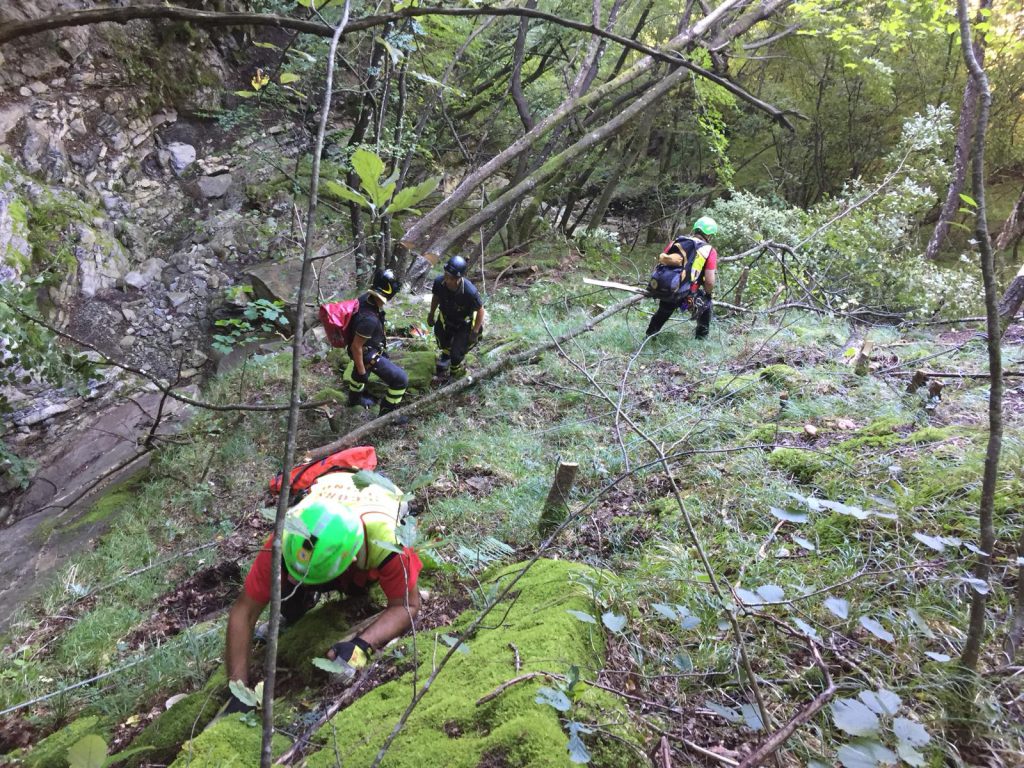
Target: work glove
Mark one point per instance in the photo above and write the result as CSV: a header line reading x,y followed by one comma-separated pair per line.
x,y
430,320
360,378
237,706
474,337
355,652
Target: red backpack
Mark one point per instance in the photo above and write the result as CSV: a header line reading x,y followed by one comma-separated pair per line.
x,y
350,459
337,321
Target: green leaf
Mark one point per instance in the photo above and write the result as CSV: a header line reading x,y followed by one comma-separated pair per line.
x,y
245,94
844,509
805,544
930,541
909,755
771,593
381,194
614,622
243,693
364,478
942,658
854,717
553,698
968,200
262,44
665,610
578,752
806,628
410,196
789,517
748,597
288,77
395,53
910,732
881,702
454,642
730,714
865,754
876,629
334,666
88,752
369,167
339,191
582,616
752,717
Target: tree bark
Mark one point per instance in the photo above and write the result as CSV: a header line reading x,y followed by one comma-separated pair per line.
x,y
629,157
419,235
1012,299
961,149
556,506
1013,227
982,569
288,460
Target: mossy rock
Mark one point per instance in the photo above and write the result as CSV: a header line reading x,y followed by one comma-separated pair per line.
x,y
881,427
780,374
512,728
765,433
229,742
930,435
162,738
311,637
804,466
52,752
732,385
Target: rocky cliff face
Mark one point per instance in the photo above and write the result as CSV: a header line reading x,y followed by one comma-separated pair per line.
x,y
141,208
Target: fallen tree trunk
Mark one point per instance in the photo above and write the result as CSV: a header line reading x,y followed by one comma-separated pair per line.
x,y
360,434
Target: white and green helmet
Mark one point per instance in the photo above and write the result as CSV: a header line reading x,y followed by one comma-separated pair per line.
x,y
706,225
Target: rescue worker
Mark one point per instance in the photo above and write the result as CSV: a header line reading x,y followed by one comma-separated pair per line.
x,y
351,541
458,311
368,349
698,260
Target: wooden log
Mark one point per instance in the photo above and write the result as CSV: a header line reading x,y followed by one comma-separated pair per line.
x,y
614,285
556,506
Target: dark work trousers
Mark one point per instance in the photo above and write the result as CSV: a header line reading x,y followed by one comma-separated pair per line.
x,y
394,377
453,341
666,308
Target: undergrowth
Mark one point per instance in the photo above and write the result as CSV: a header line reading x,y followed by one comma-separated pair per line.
x,y
834,508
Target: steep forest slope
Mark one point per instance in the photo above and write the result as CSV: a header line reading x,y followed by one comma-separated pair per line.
x,y
769,550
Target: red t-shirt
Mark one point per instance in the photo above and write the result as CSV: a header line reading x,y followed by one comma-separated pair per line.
x,y
396,576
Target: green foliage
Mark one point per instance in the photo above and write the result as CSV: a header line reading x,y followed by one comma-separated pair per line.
x,y
260,317
379,197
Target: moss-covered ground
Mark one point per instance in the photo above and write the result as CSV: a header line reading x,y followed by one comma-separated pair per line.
x,y
837,506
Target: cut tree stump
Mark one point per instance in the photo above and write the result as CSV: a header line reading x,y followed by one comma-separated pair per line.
x,y
556,506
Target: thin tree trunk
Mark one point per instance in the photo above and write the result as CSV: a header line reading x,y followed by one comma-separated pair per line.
x,y
638,146
418,235
961,148
982,569
556,506
288,460
1012,299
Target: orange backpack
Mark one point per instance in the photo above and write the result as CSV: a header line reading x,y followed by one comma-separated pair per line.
x,y
347,460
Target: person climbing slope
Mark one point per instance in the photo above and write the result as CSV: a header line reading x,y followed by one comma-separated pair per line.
x,y
685,277
350,541
459,313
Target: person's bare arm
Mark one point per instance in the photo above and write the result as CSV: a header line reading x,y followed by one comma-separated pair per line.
x,y
241,621
709,281
393,622
356,350
432,314
479,320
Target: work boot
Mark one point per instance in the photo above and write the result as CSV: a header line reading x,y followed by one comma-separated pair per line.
x,y
386,408
360,399
442,369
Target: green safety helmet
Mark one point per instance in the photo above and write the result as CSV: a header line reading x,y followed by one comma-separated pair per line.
x,y
706,225
335,535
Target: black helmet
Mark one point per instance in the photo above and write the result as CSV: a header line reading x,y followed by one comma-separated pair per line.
x,y
385,285
456,266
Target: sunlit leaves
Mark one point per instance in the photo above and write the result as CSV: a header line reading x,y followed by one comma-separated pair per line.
x,y
875,628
